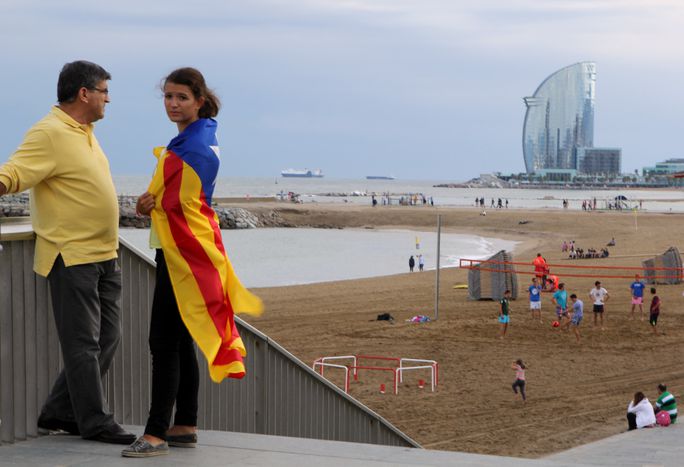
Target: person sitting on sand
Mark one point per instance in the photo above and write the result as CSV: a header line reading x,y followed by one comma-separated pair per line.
x,y
611,242
666,402
640,413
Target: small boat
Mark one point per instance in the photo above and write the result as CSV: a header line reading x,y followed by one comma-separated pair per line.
x,y
305,173
380,177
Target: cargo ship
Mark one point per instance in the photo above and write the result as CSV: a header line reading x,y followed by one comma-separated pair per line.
x,y
380,177
306,173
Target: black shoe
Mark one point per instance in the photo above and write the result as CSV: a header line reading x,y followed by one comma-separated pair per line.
x,y
188,440
114,435
53,424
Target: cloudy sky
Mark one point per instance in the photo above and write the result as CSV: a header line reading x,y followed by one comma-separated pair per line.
x,y
421,89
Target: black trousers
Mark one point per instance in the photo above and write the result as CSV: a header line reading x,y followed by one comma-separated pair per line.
x,y
631,421
519,383
86,302
175,373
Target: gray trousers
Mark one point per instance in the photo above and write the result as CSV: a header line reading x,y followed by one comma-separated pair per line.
x,y
86,301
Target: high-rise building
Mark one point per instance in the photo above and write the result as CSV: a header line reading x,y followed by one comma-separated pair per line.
x,y
560,118
599,161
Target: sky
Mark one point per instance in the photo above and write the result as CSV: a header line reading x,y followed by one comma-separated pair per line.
x,y
418,89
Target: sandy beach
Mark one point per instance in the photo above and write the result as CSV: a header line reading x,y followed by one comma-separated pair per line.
x,y
577,393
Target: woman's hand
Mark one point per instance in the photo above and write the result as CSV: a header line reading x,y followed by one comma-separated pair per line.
x,y
145,204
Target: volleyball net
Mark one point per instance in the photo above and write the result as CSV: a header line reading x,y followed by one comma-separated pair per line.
x,y
650,270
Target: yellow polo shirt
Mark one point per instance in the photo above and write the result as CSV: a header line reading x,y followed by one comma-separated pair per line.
x,y
74,207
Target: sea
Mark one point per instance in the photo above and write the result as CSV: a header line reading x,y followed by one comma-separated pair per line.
x,y
269,257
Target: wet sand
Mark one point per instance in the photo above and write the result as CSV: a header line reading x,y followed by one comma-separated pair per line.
x,y
577,393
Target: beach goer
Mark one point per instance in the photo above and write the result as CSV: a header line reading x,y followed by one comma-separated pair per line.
x,y
412,263
640,413
552,281
196,291
540,268
535,299
519,382
667,402
611,242
560,299
75,217
577,315
504,313
600,296
654,311
637,288
421,262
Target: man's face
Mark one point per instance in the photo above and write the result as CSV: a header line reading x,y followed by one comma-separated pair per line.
x,y
98,97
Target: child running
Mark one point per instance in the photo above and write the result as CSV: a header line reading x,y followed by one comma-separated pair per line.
x,y
560,298
504,313
655,311
519,368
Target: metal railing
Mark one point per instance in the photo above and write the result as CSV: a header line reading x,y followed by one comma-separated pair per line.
x,y
280,395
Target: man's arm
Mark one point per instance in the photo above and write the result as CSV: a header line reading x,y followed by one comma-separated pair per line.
x,y
3,189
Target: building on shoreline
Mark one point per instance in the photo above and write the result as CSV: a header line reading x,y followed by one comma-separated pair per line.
x,y
558,132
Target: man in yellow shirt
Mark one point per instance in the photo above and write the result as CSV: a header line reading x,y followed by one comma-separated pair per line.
x,y
75,217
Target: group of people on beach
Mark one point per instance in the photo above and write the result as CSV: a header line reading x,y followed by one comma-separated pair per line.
x,y
641,414
76,220
412,262
570,313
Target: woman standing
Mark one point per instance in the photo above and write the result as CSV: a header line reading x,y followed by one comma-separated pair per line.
x,y
196,291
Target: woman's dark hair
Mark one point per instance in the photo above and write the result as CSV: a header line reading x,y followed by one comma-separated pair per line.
x,y
638,397
193,79
520,363
77,75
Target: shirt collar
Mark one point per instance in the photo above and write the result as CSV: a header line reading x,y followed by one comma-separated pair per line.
x,y
69,120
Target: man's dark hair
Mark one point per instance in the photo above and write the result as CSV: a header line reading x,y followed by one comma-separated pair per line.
x,y
77,75
573,296
662,388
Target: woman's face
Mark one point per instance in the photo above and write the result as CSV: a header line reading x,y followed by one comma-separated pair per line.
x,y
181,105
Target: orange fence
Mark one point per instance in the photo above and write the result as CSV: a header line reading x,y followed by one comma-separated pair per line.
x,y
675,273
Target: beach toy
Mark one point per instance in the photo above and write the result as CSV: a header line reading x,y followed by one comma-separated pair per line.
x,y
555,324
421,383
461,286
382,389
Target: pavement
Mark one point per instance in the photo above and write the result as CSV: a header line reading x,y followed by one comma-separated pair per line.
x,y
643,448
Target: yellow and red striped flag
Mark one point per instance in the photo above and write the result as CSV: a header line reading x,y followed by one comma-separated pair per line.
x,y
207,290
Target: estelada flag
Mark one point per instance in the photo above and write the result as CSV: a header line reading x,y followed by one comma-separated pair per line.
x,y
207,290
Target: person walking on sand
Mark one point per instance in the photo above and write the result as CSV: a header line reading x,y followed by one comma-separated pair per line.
x,y
504,313
519,383
637,288
560,299
412,263
535,299
655,311
600,296
75,217
577,315
421,262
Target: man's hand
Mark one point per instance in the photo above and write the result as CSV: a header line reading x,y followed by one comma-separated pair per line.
x,y
145,204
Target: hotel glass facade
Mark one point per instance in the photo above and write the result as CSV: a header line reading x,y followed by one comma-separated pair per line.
x,y
560,118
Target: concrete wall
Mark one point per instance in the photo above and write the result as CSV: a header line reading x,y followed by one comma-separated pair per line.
x,y
279,395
